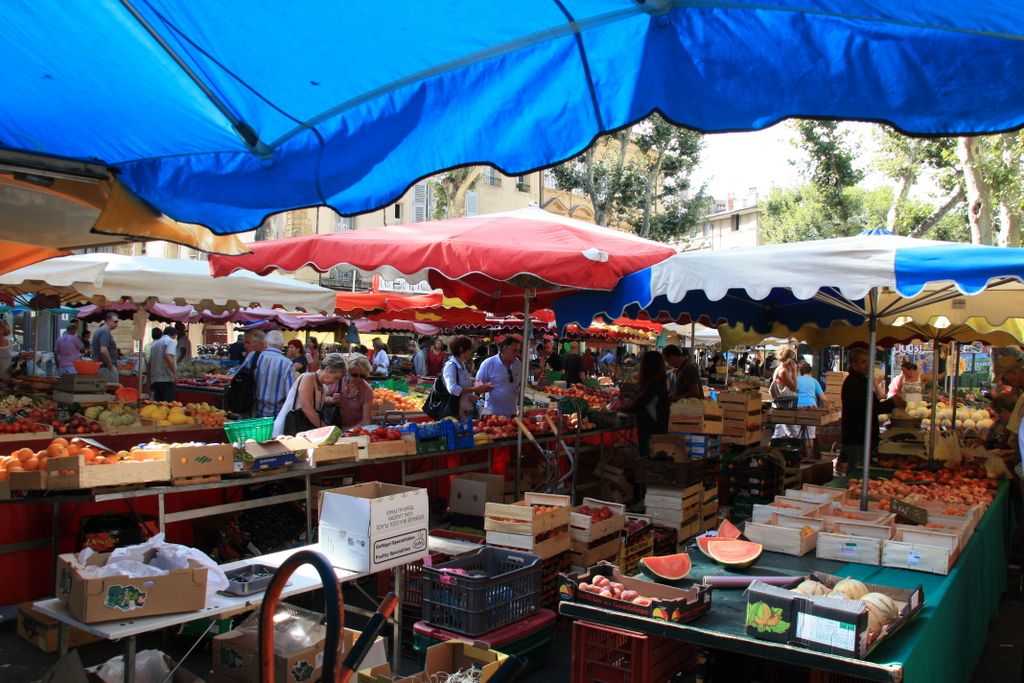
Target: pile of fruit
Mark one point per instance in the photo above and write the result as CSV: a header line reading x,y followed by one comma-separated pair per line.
x,y
597,514
12,403
117,415
499,427
205,380
596,398
634,525
398,400
964,485
166,413
206,415
377,434
882,610
78,424
26,460
607,588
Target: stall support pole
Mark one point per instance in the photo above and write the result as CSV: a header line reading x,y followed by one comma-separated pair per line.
x,y
933,433
524,380
869,399
954,377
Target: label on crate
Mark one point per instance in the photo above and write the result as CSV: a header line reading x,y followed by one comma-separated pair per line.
x,y
836,634
913,558
909,512
394,547
848,550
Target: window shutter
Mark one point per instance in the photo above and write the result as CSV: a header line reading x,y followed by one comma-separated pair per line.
x,y
470,203
420,198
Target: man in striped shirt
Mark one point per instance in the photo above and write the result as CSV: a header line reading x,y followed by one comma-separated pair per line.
x,y
274,372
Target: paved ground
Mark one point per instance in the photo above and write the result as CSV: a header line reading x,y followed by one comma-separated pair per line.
x,y
1001,662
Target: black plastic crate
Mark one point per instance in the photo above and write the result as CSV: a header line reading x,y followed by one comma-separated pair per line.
x,y
481,591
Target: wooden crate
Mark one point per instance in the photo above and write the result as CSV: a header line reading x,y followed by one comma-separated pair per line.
x,y
829,493
785,534
795,506
674,498
847,548
585,530
695,424
839,513
948,525
28,481
345,448
72,473
518,517
583,555
920,549
709,508
666,516
750,438
739,400
974,513
390,449
683,530
46,433
200,461
556,545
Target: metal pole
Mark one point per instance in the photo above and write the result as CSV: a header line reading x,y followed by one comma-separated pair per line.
x,y
954,378
524,380
693,337
933,434
869,399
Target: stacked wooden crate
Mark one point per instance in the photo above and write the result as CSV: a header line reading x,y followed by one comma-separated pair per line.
x,y
741,417
595,530
709,505
538,524
676,508
834,388
695,416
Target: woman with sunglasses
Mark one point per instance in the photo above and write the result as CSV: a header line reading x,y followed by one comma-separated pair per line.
x,y
354,396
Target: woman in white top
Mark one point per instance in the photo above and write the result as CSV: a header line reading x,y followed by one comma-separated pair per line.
x,y
307,393
381,363
458,380
784,384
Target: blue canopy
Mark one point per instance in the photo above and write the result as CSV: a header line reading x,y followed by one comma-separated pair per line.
x,y
221,113
820,282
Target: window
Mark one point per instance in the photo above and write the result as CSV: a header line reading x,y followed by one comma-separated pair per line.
x,y
398,213
493,177
420,202
471,204
341,223
549,180
707,230
736,223
523,183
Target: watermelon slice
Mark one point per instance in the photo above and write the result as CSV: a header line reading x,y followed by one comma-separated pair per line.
x,y
322,436
666,568
726,530
734,554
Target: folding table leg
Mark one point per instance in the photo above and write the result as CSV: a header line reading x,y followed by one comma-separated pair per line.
x,y
129,660
396,638
62,637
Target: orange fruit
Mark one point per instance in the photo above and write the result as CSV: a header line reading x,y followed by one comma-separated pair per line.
x,y
74,448
39,454
3,475
59,441
15,468
24,454
88,453
56,450
31,464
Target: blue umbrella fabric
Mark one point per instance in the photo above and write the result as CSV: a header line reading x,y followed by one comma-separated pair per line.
x,y
818,282
222,113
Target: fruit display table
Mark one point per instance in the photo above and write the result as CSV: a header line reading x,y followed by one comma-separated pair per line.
x,y
944,642
187,393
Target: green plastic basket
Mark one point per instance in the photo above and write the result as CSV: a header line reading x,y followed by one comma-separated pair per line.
x,y
397,384
257,429
554,375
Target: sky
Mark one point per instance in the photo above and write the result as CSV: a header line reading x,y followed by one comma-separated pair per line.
x,y
735,162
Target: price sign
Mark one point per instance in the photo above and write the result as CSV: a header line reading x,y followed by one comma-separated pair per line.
x,y
908,512
62,414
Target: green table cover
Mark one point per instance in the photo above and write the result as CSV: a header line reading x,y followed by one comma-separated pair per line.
x,y
943,643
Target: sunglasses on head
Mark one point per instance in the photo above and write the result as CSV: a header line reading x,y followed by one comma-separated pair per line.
x,y
358,374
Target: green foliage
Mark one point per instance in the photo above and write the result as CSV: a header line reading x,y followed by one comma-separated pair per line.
x,y
830,166
641,177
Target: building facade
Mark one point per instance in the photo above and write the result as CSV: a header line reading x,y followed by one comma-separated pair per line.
x,y
731,224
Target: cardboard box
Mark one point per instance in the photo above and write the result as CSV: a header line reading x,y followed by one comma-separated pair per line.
x,y
444,658
201,461
268,455
373,526
673,447
831,625
471,492
95,600
236,657
44,632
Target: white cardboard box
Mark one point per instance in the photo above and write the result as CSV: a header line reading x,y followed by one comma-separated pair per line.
x,y
373,526
472,491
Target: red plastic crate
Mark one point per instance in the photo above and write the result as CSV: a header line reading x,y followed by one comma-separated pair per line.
x,y
601,654
412,589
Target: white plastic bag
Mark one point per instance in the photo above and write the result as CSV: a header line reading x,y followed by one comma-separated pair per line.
x,y
150,667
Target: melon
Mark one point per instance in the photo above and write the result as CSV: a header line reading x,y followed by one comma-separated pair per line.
x,y
875,622
666,568
851,588
886,606
734,553
322,436
811,587
726,530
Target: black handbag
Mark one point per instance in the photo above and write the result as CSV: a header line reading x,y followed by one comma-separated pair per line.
x,y
296,421
440,403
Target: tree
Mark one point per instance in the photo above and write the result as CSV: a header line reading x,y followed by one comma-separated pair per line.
x,y
905,160
830,166
979,200
641,177
450,190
